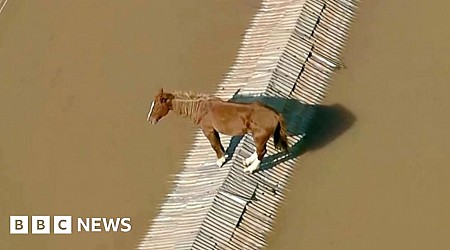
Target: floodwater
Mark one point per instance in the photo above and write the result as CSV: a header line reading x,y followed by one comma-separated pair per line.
x,y
75,83
384,182
76,78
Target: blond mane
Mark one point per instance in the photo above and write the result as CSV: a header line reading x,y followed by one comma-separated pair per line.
x,y
190,95
189,104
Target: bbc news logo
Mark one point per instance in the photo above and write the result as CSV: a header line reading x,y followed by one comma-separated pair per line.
x,y
63,225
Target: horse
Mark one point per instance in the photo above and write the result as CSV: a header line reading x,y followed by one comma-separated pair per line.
x,y
215,116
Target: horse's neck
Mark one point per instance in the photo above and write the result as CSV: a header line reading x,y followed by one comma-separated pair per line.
x,y
186,108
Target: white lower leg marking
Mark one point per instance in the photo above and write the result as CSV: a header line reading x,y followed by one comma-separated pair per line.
x,y
255,165
220,161
250,159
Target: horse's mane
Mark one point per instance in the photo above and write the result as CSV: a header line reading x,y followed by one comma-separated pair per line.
x,y
189,104
192,96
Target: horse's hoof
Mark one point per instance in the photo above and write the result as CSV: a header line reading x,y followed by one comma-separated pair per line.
x,y
220,161
254,166
249,170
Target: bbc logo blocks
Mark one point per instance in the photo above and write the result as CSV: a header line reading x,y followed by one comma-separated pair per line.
x,y
63,224
40,224
18,224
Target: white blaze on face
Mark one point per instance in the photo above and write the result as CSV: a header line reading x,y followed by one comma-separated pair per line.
x,y
151,110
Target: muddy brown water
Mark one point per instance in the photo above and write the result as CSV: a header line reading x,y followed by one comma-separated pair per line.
x,y
382,180
75,79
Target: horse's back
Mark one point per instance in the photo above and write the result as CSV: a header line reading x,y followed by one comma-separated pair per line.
x,y
228,118
244,117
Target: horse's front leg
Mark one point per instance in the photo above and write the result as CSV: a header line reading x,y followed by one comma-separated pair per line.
x,y
214,139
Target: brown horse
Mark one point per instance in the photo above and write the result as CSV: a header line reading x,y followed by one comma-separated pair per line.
x,y
214,115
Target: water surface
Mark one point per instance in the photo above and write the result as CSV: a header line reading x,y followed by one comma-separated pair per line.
x,y
76,78
384,182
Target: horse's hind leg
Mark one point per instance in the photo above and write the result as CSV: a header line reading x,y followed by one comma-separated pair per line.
x,y
250,159
260,141
214,139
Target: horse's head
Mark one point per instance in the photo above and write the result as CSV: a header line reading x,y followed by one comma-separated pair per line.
x,y
160,106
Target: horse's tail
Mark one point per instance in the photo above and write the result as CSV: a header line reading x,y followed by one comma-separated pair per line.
x,y
280,135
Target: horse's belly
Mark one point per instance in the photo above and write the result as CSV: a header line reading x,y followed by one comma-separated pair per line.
x,y
233,127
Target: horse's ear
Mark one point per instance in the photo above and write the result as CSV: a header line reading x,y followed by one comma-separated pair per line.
x,y
161,90
166,96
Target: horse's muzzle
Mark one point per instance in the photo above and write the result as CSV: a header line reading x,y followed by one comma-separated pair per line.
x,y
152,120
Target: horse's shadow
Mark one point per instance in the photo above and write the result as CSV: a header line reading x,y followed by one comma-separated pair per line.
x,y
317,124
